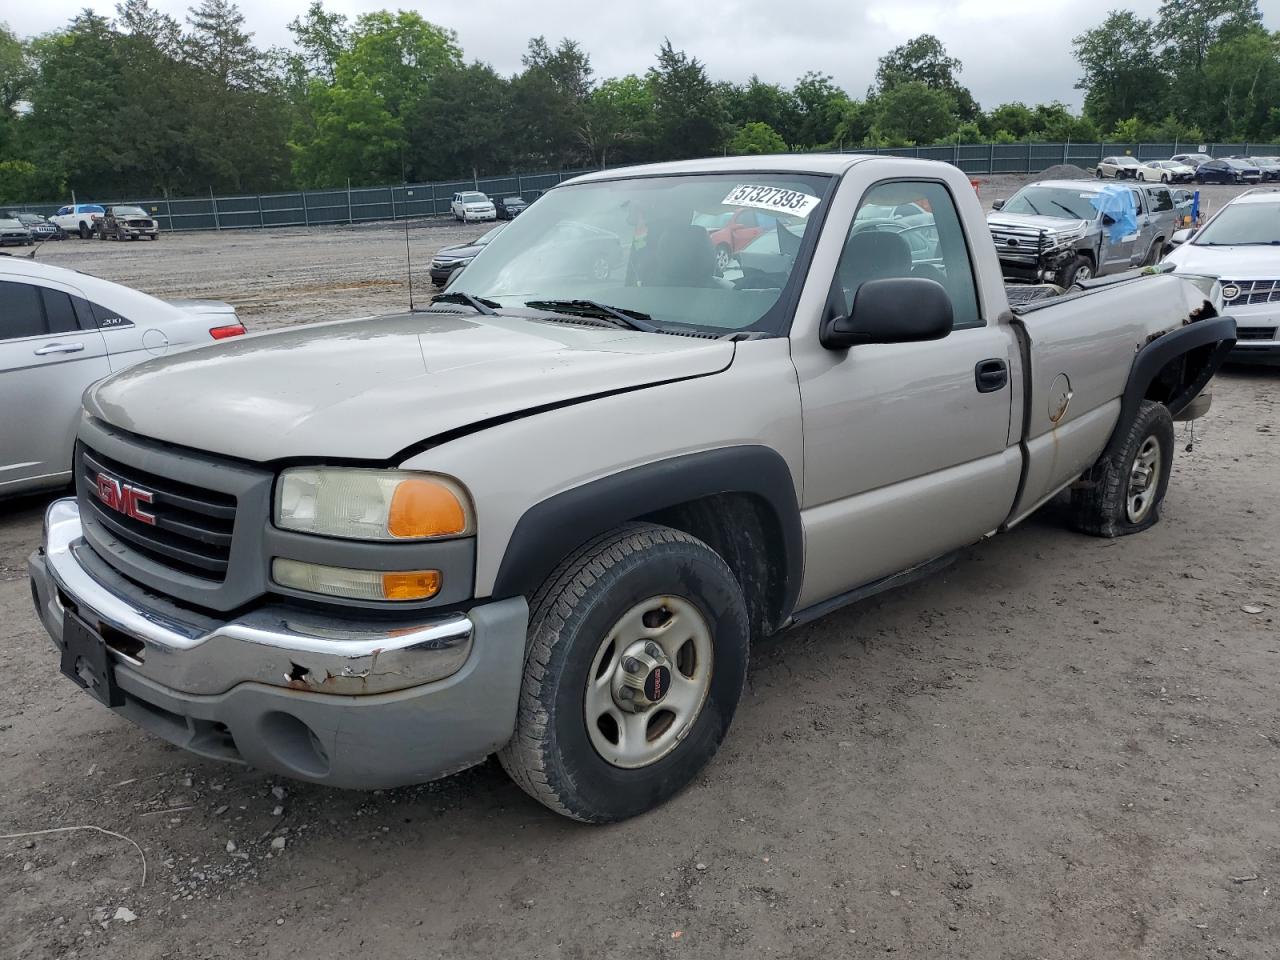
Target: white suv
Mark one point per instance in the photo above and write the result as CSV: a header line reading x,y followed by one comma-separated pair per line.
x,y
79,218
1240,245
472,205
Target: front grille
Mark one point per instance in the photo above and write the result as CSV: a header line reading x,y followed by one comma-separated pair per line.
x,y
1255,333
1253,291
193,526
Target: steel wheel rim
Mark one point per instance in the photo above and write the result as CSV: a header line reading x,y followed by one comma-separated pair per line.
x,y
1144,480
1084,273
722,258
629,735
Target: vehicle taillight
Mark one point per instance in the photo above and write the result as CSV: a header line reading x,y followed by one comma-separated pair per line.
x,y
230,330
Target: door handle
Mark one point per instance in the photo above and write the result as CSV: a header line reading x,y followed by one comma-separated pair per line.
x,y
991,375
49,348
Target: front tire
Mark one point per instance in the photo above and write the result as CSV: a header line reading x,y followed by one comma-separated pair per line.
x,y
1099,172
84,230
1078,269
1122,493
636,661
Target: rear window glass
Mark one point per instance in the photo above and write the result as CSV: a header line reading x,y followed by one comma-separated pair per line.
x,y
59,312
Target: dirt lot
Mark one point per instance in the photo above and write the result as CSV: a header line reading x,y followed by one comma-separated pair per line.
x,y
1059,748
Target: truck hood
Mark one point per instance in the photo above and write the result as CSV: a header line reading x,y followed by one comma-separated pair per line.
x,y
1232,263
367,389
1023,221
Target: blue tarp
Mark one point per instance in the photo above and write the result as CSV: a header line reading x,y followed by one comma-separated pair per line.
x,y
1118,203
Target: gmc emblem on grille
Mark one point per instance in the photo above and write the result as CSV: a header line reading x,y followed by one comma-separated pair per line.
x,y
124,498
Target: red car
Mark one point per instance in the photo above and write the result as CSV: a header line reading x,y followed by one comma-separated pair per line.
x,y
739,230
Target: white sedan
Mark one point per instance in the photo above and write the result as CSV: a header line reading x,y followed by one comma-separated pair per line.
x,y
1119,167
61,331
1166,171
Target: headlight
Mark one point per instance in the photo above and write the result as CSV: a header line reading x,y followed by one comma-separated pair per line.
x,y
371,504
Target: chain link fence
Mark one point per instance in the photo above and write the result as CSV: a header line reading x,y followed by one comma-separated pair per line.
x,y
306,208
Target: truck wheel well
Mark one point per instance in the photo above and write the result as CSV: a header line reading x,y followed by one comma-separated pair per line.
x,y
745,531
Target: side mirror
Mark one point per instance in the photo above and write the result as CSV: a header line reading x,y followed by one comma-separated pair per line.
x,y
997,204
1180,237
894,310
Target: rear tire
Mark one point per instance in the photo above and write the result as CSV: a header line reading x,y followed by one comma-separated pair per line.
x,y
1100,174
576,749
84,230
1122,493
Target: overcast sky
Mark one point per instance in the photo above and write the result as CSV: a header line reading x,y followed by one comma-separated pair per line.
x,y
1011,49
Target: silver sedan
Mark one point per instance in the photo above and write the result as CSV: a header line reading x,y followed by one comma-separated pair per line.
x,y
61,331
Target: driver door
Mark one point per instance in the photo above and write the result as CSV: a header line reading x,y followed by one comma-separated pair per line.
x,y
906,445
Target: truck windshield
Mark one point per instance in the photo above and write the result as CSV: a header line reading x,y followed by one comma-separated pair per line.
x,y
128,211
1242,225
1065,203
660,247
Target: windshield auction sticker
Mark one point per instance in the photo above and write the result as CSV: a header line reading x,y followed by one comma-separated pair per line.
x,y
774,199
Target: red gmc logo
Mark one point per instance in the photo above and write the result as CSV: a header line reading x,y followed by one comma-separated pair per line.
x,y
124,498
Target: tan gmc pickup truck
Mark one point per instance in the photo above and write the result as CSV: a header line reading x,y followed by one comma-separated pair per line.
x,y
545,516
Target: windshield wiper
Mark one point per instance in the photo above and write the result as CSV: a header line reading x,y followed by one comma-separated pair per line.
x,y
1063,206
479,304
1034,208
621,316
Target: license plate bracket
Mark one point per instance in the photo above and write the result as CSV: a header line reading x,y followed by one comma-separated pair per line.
x,y
87,661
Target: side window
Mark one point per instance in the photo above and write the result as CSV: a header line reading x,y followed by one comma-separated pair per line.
x,y
1137,199
107,318
21,313
910,229
60,315
1164,201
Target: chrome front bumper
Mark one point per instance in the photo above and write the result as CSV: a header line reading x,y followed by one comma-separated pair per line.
x,y
362,704
279,647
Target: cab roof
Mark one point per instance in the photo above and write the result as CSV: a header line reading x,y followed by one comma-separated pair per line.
x,y
831,164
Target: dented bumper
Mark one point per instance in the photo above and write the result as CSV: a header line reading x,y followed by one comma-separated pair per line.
x,y
355,703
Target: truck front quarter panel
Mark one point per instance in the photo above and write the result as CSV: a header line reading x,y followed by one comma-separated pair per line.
x,y
511,468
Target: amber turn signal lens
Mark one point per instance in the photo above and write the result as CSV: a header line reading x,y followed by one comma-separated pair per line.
x,y
415,585
425,508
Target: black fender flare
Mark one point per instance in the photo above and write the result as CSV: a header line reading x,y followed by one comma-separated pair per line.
x,y
1156,355
551,529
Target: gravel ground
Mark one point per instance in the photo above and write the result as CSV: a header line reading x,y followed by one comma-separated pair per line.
x,y
1061,747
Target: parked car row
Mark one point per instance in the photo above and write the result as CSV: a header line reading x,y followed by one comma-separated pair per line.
x,y
1188,167
470,205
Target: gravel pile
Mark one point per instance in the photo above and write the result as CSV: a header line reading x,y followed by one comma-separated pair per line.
x,y
1064,171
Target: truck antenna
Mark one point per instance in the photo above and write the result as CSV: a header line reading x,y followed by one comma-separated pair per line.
x,y
408,262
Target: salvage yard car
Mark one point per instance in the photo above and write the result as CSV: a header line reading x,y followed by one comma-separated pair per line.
x,y
508,208
1121,168
79,218
472,205
1053,231
548,515
39,227
1167,171
13,233
449,260
1228,170
1240,244
127,223
60,331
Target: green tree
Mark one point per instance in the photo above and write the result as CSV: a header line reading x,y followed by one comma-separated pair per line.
x,y
1016,117
321,37
820,106
354,136
1241,83
619,121
688,113
461,125
756,138
913,112
767,103
15,81
924,59
1189,30
1123,75
551,97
